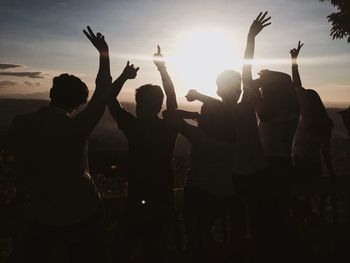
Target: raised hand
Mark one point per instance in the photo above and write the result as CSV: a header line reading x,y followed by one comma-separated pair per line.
x,y
258,24
97,40
158,58
130,72
192,95
295,51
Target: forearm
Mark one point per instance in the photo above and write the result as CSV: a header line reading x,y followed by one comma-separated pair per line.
x,y
117,86
114,108
248,56
104,67
188,114
204,98
87,119
103,79
169,88
296,75
113,103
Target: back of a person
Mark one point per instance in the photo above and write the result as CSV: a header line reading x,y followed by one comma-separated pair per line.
x,y
51,158
151,151
280,115
277,134
249,156
211,167
307,148
211,155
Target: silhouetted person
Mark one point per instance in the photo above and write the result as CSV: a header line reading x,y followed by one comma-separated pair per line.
x,y
278,111
248,159
151,145
312,138
62,207
209,186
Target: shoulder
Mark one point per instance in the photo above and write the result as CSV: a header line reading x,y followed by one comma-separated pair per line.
x,y
165,124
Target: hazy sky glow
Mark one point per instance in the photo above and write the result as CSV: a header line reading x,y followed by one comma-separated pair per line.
x,y
199,39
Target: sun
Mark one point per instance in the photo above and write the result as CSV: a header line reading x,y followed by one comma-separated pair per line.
x,y
200,56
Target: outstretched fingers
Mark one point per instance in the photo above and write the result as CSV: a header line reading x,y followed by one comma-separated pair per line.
x,y
87,35
91,32
265,20
263,16
258,17
265,25
300,46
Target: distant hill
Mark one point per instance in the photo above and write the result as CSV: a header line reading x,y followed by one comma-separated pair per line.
x,y
9,108
26,96
106,137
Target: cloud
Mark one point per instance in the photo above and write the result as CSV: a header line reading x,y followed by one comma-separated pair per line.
x,y
7,66
7,83
28,83
33,75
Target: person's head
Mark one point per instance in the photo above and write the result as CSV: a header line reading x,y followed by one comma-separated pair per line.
x,y
215,121
149,100
317,117
229,86
278,93
68,92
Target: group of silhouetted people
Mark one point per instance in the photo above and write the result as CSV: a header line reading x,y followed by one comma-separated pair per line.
x,y
246,149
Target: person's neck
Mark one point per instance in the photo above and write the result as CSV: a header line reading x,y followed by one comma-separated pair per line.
x,y
228,102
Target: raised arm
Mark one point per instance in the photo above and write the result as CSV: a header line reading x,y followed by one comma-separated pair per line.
x,y
295,71
168,85
88,118
129,72
258,24
300,91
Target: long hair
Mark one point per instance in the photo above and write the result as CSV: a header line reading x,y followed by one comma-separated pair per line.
x,y
278,92
317,118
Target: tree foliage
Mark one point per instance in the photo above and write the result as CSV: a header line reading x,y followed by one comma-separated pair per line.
x,y
340,20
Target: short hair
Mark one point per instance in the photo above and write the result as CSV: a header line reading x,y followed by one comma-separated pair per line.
x,y
229,79
68,91
149,98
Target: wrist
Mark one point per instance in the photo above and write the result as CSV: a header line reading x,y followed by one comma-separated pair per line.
x,y
251,35
104,53
160,68
123,77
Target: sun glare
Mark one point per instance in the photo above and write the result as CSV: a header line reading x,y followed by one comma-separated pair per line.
x,y
200,56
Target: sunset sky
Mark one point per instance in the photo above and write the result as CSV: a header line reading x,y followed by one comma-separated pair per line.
x,y
42,39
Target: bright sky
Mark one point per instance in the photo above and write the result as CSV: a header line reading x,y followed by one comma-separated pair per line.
x,y
198,38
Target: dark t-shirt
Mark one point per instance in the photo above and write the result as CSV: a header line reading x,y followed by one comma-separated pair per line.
x,y
151,147
51,165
